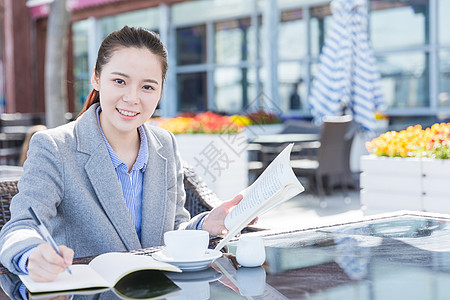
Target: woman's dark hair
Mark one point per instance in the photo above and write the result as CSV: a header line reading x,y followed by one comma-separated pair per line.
x,y
127,37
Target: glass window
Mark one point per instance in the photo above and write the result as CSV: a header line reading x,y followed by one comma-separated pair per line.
x,y
191,45
229,88
292,35
292,88
444,21
233,41
201,11
191,92
147,18
82,74
404,79
395,23
234,89
320,22
444,78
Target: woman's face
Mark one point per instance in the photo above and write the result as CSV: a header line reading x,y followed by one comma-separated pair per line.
x,y
130,86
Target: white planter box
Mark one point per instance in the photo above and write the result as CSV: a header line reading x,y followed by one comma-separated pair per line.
x,y
389,184
219,159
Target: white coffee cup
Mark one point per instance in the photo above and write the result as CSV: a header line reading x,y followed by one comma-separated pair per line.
x,y
186,244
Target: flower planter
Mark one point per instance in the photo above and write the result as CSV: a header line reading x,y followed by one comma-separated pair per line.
x,y
390,184
219,159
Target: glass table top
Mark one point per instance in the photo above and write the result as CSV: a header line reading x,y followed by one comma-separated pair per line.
x,y
400,256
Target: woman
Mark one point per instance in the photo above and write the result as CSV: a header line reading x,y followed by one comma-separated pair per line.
x,y
107,181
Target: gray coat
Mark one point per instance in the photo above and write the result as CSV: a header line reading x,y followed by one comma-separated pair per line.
x,y
71,183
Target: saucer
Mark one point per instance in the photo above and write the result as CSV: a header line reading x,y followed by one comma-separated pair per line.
x,y
189,265
207,275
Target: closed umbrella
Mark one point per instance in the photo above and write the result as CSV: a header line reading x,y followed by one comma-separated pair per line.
x,y
348,79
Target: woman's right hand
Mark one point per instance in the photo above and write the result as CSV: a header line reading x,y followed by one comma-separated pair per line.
x,y
44,264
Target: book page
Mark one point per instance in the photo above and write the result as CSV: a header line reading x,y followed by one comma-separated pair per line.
x,y
115,265
275,185
82,277
271,188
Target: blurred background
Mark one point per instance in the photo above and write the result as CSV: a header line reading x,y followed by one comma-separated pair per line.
x,y
230,55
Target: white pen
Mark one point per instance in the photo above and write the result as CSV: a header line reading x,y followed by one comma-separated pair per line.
x,y
46,234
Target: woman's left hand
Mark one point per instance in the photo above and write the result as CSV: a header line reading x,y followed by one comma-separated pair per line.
x,y
215,221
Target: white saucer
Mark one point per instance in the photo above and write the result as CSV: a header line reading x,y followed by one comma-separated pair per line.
x,y
207,275
189,265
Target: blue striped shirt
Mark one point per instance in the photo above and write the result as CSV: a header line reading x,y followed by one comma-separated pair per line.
x,y
132,181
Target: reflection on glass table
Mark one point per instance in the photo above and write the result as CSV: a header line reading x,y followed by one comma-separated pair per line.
x,y
194,285
374,259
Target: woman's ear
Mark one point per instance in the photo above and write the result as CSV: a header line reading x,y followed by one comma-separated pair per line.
x,y
95,81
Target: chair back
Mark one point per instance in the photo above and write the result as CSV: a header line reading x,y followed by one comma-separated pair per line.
x,y
334,145
7,190
199,198
296,126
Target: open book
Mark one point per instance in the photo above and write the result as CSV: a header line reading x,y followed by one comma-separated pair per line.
x,y
275,185
103,272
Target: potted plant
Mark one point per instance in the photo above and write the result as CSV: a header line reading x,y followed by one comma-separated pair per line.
x,y
215,146
408,169
261,122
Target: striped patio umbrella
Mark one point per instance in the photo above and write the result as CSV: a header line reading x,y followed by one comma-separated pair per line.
x,y
348,78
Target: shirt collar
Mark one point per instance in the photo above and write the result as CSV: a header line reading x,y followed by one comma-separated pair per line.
x,y
142,158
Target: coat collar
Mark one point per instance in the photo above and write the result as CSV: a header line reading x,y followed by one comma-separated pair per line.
x,y
103,177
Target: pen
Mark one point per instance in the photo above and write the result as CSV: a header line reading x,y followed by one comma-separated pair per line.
x,y
46,234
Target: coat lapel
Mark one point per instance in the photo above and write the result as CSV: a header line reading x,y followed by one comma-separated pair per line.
x,y
154,194
103,177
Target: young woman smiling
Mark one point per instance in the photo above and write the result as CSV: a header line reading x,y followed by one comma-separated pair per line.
x,y
106,181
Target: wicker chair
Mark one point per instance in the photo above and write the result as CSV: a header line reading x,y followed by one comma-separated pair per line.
x,y
7,190
199,197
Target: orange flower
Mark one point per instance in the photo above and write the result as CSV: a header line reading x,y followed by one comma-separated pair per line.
x,y
207,122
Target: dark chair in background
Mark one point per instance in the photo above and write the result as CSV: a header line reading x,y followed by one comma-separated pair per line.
x,y
295,126
319,162
13,129
260,155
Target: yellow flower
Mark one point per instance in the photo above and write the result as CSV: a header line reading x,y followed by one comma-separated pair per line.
x,y
241,120
413,142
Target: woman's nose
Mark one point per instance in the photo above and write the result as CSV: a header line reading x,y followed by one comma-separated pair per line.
x,y
131,95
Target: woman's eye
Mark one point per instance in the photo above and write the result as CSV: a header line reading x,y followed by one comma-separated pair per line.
x,y
148,87
119,81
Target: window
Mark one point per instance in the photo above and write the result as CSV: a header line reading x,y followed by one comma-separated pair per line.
x,y
443,22
191,45
320,22
292,35
398,24
191,92
233,41
292,88
81,71
146,18
405,79
444,79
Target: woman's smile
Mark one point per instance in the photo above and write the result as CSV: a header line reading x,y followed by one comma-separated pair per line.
x,y
127,113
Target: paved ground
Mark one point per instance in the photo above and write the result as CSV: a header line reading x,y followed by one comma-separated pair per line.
x,y
305,211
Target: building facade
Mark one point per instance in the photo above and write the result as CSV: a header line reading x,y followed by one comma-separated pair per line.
x,y
234,55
